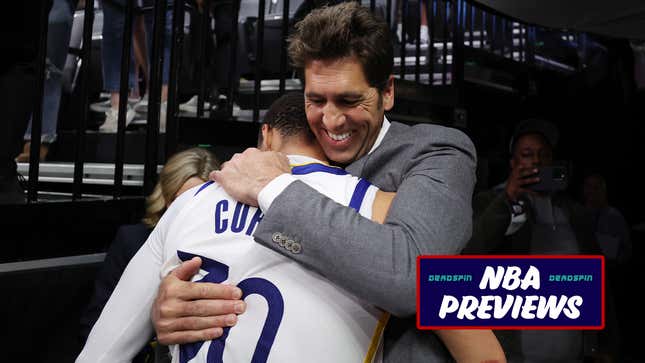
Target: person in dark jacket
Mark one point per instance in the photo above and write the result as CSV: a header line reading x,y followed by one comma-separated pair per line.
x,y
513,219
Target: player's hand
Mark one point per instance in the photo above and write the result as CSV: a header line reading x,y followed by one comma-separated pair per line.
x,y
188,312
246,174
519,178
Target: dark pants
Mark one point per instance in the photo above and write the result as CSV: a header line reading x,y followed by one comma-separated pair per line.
x,y
17,94
21,29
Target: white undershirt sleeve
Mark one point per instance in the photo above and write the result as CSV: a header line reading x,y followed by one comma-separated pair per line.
x,y
271,191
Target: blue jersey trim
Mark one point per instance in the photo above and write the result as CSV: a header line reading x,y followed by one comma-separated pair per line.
x,y
203,187
359,194
315,167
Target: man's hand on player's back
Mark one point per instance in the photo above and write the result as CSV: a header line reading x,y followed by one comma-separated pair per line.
x,y
246,174
187,312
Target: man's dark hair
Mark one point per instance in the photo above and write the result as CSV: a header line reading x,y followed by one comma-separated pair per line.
x,y
287,115
345,30
546,129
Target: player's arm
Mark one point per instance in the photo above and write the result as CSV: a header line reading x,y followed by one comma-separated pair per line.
x,y
124,327
464,345
474,346
431,214
381,205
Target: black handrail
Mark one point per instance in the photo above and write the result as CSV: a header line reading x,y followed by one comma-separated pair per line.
x,y
457,66
124,88
177,44
417,50
88,22
388,12
204,36
232,71
431,9
460,19
37,114
404,29
283,43
444,71
259,49
154,97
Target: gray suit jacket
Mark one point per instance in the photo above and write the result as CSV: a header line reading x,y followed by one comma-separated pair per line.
x,y
432,168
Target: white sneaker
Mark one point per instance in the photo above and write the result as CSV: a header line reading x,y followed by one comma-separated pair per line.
x,y
424,35
141,107
399,32
101,106
162,117
111,120
104,106
191,105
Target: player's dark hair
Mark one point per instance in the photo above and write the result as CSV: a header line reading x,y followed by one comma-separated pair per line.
x,y
287,115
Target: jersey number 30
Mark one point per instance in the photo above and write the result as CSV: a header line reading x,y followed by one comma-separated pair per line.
x,y
218,272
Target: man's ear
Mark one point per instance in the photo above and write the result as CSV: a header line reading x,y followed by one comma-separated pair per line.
x,y
388,94
266,137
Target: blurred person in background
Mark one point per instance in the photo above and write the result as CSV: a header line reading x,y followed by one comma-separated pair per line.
x,y
111,47
61,18
183,171
512,218
609,225
21,30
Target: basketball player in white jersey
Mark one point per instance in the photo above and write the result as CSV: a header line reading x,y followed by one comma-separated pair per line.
x,y
293,314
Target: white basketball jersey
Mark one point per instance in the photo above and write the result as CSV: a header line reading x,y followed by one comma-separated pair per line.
x,y
293,314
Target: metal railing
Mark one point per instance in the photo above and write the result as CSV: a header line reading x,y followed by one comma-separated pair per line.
x,y
455,27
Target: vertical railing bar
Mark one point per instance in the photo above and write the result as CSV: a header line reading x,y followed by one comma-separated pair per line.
x,y
154,101
404,28
457,68
79,151
232,67
482,29
177,45
531,45
258,60
204,32
431,8
124,88
372,5
514,48
504,35
283,48
463,18
444,74
522,42
493,33
417,54
471,28
388,10
37,114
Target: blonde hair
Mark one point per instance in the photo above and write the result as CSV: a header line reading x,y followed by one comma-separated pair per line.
x,y
195,162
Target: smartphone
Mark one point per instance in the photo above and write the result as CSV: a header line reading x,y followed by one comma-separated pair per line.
x,y
552,179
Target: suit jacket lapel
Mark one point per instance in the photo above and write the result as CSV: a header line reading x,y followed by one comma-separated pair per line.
x,y
368,165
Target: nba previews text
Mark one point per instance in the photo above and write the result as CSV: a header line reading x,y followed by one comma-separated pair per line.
x,y
504,304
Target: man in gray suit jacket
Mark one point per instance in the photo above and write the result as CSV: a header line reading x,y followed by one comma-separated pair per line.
x,y
346,55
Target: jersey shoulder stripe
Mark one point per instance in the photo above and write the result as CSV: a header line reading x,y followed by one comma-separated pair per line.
x,y
316,167
204,186
359,194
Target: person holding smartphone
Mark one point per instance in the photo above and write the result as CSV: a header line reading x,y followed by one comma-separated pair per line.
x,y
530,214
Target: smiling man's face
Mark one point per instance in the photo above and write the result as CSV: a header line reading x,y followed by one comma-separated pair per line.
x,y
343,110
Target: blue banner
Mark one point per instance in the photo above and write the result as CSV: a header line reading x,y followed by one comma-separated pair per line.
x,y
510,292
